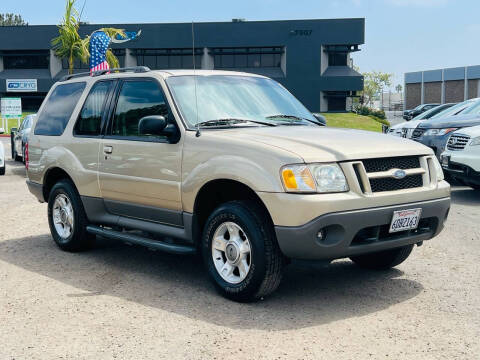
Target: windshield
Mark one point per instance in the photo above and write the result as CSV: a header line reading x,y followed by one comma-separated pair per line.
x,y
454,110
236,97
473,109
430,113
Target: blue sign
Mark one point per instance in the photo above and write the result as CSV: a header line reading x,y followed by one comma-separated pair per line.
x,y
21,85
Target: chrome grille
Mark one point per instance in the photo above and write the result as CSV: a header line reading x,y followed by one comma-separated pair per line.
x,y
457,142
417,133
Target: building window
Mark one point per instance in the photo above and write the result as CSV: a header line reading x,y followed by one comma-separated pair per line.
x,y
337,59
77,64
25,60
249,57
168,58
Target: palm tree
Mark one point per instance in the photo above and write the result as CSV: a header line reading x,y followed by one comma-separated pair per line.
x,y
68,44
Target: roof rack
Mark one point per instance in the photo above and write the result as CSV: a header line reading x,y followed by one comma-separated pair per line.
x,y
135,69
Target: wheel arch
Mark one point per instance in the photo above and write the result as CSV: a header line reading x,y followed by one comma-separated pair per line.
x,y
216,192
52,176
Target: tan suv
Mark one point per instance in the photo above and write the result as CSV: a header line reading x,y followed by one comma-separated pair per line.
x,y
230,165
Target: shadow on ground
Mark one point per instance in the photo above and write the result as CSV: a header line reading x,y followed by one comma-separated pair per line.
x,y
465,196
310,294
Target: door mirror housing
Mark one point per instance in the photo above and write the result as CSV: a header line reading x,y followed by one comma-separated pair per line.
x,y
2,131
321,120
152,125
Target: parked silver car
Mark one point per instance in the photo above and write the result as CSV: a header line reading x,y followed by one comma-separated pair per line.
x,y
19,138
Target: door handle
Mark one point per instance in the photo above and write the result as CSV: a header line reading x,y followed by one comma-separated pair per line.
x,y
107,149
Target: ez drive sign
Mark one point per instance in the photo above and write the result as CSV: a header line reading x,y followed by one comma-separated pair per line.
x,y
21,85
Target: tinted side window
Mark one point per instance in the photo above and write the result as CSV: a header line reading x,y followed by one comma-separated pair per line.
x,y
136,100
90,119
58,109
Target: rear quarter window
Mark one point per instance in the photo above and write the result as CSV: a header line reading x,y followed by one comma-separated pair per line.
x,y
58,109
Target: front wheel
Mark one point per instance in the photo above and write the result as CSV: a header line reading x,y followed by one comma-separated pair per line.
x,y
241,253
2,170
383,260
67,218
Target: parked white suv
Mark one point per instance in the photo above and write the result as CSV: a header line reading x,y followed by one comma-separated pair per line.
x,y
461,158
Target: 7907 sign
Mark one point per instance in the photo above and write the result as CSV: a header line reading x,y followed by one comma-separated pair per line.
x,y
301,32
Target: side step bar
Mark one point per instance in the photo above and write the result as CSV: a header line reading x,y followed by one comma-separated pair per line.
x,y
139,240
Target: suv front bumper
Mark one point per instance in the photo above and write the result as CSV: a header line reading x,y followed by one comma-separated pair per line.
x,y
360,231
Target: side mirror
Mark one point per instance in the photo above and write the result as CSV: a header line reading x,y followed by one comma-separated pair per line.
x,y
321,119
2,131
152,125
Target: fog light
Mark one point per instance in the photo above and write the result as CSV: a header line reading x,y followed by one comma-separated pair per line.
x,y
321,235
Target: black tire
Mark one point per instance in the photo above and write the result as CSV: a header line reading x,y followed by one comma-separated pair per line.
x,y
2,170
266,259
79,238
383,260
12,146
16,157
23,154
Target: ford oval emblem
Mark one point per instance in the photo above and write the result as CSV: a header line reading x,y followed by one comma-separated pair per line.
x,y
399,174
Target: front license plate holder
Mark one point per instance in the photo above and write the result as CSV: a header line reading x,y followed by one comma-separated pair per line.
x,y
403,220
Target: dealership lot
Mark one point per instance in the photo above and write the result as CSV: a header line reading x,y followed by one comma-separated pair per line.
x,y
118,301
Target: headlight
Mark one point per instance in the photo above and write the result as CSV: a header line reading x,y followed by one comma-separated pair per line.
x,y
439,132
475,141
322,178
438,169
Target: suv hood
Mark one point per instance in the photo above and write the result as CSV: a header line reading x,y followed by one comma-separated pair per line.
x,y
324,144
452,121
473,131
412,124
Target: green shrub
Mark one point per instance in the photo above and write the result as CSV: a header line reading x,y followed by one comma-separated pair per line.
x,y
378,113
380,120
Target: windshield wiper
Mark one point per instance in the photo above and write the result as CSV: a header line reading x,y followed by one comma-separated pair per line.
x,y
295,117
232,121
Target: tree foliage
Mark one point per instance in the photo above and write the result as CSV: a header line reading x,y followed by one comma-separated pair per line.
x,y
399,88
9,19
374,83
68,44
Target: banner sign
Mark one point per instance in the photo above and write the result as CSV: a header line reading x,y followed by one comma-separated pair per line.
x,y
21,85
11,107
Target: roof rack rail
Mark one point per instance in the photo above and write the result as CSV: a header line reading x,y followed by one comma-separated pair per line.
x,y
135,69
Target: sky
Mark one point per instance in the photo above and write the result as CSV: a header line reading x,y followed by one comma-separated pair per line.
x,y
400,35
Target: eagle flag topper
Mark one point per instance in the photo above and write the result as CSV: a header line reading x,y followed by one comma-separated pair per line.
x,y
99,43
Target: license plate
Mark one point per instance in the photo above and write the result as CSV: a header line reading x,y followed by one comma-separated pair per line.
x,y
405,220
445,161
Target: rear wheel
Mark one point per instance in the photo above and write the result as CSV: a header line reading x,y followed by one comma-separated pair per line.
x,y
67,218
383,260
241,253
2,170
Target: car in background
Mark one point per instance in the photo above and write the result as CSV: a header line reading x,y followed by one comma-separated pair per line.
x,y
2,156
410,114
461,158
19,138
406,128
435,133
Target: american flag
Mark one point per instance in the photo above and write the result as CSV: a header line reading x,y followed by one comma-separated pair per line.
x,y
99,42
